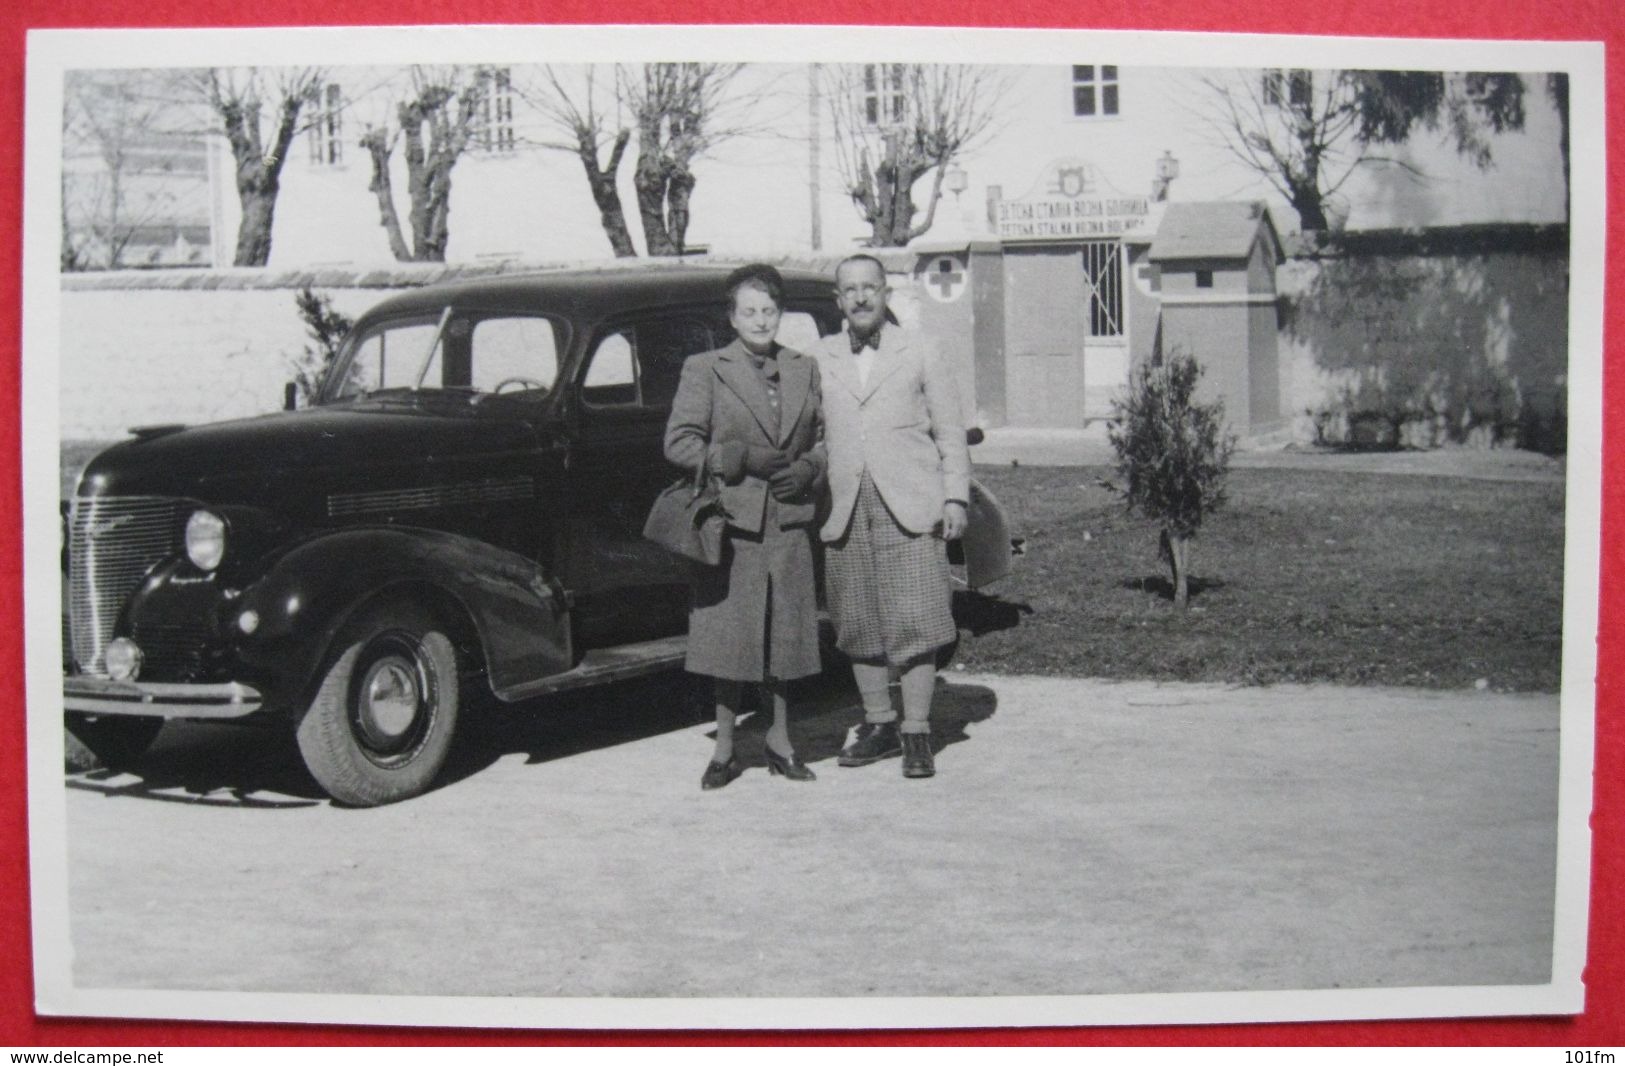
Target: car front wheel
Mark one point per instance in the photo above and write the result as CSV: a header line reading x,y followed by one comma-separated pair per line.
x,y
382,721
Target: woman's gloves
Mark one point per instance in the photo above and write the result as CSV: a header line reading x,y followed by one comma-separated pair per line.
x,y
763,462
785,478
793,481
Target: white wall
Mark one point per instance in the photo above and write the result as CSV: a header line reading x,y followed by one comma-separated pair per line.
x,y
132,357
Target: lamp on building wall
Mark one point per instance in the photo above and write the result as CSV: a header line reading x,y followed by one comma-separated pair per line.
x,y
1167,171
955,180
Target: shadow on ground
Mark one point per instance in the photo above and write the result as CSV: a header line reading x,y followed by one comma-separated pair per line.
x,y
246,766
1160,585
982,614
227,765
825,708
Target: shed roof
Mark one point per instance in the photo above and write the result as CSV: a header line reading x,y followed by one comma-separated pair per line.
x,y
1218,229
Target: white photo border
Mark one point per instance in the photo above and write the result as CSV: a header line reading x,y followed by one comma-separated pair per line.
x,y
51,52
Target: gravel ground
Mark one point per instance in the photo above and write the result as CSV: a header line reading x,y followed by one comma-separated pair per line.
x,y
1080,837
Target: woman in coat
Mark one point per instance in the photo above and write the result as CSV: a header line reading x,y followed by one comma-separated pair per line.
x,y
750,411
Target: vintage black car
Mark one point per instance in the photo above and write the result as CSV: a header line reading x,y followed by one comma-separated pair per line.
x,y
462,505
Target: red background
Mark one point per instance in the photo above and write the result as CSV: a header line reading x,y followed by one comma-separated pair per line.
x,y
1558,19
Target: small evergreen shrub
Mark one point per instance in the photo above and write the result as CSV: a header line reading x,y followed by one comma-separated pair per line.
x,y
1173,456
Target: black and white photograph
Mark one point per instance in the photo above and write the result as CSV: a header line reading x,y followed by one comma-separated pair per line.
x,y
786,527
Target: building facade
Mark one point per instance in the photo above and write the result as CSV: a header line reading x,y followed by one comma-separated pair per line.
x,y
777,187
1048,272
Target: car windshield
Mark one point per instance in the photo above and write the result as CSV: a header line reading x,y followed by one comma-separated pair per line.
x,y
479,354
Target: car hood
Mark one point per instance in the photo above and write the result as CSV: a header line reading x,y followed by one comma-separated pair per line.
x,y
246,460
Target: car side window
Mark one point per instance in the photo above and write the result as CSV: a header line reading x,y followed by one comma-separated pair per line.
x,y
612,378
640,364
388,358
519,353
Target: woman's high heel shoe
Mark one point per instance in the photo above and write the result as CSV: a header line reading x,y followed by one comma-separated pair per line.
x,y
718,774
789,766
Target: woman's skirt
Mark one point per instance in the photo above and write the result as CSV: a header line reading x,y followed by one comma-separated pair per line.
x,y
755,616
889,589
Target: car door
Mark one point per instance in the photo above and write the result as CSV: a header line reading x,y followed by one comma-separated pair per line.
x,y
625,587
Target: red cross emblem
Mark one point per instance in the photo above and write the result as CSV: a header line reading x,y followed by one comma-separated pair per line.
x,y
945,279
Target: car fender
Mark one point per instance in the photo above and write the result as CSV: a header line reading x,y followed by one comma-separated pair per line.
x,y
500,600
987,546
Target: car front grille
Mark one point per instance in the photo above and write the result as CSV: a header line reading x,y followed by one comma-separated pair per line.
x,y
173,652
112,542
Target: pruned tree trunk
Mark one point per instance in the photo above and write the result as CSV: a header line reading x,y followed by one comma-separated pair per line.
x,y
258,172
887,200
651,181
605,193
437,229
1306,201
419,182
378,149
678,190
254,232
435,126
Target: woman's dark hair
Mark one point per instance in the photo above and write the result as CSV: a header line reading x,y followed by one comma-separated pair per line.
x,y
756,276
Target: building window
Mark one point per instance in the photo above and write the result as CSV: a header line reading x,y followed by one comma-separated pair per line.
x,y
327,127
885,93
1094,91
495,132
1288,88
1103,269
1204,279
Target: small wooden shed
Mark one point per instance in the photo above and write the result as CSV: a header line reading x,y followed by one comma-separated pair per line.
x,y
1215,265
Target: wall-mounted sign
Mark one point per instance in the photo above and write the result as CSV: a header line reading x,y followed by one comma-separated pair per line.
x,y
1084,217
1071,200
943,277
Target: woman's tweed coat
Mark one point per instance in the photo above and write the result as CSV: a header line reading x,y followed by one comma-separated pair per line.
x,y
756,615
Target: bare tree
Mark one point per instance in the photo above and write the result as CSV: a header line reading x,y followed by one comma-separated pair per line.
x,y
580,120
682,111
240,99
1308,132
123,133
437,121
896,123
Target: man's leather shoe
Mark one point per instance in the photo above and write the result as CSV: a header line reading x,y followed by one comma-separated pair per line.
x,y
917,761
871,742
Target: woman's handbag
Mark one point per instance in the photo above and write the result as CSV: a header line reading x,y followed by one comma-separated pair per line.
x,y
688,519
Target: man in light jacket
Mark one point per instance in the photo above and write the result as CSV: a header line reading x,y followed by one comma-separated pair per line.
x,y
899,479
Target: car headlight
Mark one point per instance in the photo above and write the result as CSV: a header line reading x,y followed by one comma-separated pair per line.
x,y
205,539
123,659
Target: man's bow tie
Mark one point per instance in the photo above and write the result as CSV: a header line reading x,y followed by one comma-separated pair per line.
x,y
858,343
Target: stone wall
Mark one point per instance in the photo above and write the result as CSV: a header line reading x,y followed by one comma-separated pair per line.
x,y
1424,338
1433,337
147,347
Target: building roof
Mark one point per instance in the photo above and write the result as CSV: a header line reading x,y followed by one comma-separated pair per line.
x,y
1217,229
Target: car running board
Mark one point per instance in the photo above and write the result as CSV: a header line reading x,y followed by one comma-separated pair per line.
x,y
606,664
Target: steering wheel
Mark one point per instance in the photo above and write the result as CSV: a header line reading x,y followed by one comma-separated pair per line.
x,y
529,383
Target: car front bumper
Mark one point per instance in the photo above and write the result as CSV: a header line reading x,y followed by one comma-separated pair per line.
x,y
98,695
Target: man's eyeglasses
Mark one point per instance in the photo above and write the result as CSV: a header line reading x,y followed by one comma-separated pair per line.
x,y
860,292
